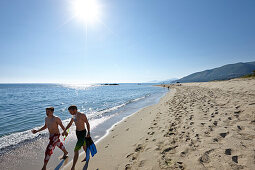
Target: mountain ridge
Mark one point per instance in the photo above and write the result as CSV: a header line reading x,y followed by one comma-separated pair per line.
x,y
224,72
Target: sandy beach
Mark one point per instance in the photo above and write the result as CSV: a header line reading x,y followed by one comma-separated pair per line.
x,y
207,125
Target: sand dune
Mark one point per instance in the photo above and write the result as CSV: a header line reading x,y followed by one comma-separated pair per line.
x,y
195,126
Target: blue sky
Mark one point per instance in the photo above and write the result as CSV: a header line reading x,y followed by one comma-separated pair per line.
x,y
134,41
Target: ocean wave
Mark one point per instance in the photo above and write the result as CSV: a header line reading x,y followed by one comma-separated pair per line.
x,y
18,137
103,112
95,122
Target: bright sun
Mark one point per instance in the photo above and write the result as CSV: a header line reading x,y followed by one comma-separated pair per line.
x,y
86,10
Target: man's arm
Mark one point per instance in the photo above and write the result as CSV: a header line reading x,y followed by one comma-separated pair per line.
x,y
68,126
41,129
59,122
84,117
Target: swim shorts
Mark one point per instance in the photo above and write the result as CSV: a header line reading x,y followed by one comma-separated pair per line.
x,y
54,141
81,139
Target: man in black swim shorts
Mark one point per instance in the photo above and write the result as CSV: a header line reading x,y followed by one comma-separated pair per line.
x,y
80,120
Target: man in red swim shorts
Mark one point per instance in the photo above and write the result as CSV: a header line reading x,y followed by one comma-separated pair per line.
x,y
52,122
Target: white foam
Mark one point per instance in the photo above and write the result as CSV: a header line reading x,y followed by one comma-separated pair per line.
x,y
18,137
100,113
95,122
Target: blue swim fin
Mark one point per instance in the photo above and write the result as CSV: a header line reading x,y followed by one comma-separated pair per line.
x,y
93,149
87,154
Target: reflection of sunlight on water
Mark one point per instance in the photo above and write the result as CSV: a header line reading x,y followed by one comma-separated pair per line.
x,y
79,86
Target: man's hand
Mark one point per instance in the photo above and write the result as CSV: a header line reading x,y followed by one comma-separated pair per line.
x,y
65,133
34,131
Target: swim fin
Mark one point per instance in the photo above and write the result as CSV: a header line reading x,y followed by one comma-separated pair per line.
x,y
91,148
87,154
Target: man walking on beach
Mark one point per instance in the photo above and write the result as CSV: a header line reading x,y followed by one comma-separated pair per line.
x,y
80,120
52,122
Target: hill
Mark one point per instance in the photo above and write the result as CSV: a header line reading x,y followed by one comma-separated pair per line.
x,y
225,72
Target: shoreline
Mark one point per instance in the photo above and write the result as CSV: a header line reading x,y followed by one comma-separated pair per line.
x,y
207,125
123,119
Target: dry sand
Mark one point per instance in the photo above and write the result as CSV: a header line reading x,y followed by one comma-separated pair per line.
x,y
195,126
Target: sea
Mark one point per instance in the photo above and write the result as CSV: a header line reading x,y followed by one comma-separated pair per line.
x,y
22,108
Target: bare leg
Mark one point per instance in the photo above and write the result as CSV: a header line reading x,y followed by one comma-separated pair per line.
x,y
44,165
85,149
61,146
46,157
65,153
75,158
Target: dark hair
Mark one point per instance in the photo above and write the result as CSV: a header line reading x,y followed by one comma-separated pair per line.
x,y
50,108
73,107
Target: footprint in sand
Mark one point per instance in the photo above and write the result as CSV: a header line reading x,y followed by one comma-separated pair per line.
x,y
215,140
184,153
235,159
205,157
127,167
223,134
141,163
134,157
239,127
169,149
150,133
203,124
228,151
138,148
129,155
237,113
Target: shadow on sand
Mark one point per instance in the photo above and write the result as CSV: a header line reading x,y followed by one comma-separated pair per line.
x,y
62,163
86,165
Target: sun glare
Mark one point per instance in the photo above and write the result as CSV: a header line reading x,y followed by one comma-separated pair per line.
x,y
86,10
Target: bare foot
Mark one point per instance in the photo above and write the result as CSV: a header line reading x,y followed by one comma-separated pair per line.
x,y
65,156
84,160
